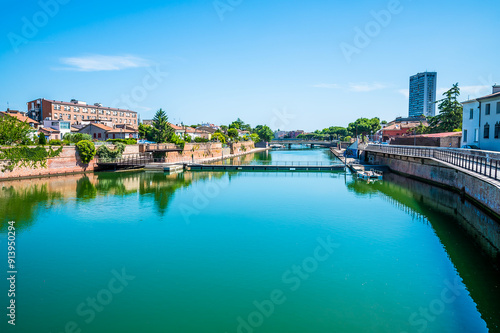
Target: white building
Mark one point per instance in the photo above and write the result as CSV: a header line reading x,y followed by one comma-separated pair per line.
x,y
423,94
481,121
59,125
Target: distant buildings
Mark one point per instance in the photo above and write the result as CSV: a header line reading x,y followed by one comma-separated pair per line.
x,y
21,116
401,127
78,112
423,94
287,134
481,121
102,132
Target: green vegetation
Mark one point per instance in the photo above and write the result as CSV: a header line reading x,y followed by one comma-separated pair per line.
x,y
450,114
42,140
86,150
264,132
218,137
200,140
55,142
129,141
146,132
363,127
255,137
13,131
105,153
232,133
162,131
178,141
76,137
27,157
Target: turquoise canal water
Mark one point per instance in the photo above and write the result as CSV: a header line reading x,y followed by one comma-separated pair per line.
x,y
245,252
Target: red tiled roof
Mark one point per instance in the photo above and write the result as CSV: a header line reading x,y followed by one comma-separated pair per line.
x,y
101,126
121,130
48,130
19,117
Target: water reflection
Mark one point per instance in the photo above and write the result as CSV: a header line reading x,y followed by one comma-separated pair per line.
x,y
470,236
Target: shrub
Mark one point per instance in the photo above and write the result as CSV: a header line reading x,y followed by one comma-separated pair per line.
x,y
347,139
129,141
76,137
27,157
200,140
55,142
87,150
41,139
66,142
105,153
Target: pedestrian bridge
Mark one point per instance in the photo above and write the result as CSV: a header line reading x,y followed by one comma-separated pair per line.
x,y
311,143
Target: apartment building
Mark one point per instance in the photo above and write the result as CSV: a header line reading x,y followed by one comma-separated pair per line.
x,y
423,94
79,112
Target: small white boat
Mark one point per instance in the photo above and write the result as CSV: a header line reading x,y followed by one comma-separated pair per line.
x,y
372,174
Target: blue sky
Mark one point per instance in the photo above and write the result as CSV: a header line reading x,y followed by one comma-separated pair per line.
x,y
288,64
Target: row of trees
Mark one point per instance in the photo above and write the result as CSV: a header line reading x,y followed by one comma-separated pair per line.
x,y
362,126
449,119
161,131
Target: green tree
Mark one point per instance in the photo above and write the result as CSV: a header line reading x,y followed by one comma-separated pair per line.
x,y
254,137
421,129
41,139
238,123
86,150
162,131
450,112
218,137
264,132
232,133
145,132
13,131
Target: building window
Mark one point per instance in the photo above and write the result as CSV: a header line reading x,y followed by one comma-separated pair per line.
x,y
471,114
99,135
465,135
94,136
498,107
486,131
476,135
487,109
497,130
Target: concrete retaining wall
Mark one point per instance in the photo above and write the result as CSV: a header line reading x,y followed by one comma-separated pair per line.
x,y
483,192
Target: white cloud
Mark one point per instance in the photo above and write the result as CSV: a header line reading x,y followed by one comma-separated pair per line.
x,y
404,92
365,87
93,63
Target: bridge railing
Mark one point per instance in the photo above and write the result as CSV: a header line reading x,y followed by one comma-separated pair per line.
x,y
277,163
482,162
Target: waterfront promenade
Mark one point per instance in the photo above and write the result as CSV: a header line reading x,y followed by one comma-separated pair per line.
x,y
474,174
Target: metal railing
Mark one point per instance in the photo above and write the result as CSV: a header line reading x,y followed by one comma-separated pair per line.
x,y
481,162
277,163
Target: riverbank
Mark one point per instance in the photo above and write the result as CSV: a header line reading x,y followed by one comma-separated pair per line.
x,y
69,162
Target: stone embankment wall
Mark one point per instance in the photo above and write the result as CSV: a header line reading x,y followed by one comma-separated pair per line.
x,y
482,191
66,163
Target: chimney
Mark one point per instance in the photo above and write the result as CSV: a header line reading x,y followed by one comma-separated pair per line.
x,y
496,88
